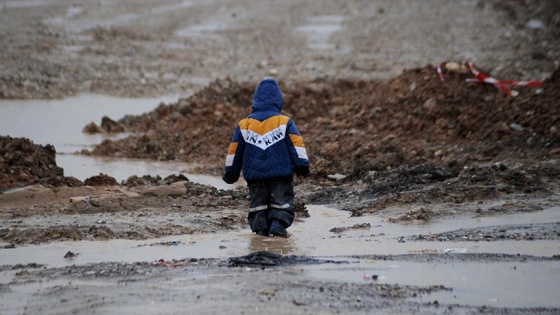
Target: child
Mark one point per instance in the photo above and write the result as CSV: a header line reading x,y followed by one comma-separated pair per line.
x,y
269,148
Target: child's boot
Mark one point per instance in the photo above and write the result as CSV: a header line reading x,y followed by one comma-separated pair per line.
x,y
276,229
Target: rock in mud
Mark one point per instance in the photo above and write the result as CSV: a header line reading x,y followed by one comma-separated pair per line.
x,y
176,189
101,180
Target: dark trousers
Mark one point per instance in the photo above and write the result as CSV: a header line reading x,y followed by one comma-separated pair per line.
x,y
271,201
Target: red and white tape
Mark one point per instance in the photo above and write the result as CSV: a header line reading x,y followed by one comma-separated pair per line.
x,y
440,74
502,85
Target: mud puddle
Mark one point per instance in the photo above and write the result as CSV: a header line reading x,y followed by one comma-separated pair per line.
x,y
74,20
60,123
492,282
498,284
311,237
320,30
83,167
24,4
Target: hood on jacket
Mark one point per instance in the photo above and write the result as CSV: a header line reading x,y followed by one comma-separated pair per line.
x,y
268,96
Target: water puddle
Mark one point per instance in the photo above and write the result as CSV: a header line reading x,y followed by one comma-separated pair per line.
x,y
74,12
172,7
498,284
25,4
175,46
83,167
319,31
221,20
73,49
203,30
74,22
529,284
60,123
310,237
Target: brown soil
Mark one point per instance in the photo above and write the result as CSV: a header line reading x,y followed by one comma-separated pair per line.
x,y
413,119
24,163
401,142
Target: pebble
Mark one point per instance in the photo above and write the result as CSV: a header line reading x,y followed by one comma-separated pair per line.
x,y
535,24
336,176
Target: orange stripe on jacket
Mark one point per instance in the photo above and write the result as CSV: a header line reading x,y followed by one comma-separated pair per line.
x,y
262,127
297,140
232,148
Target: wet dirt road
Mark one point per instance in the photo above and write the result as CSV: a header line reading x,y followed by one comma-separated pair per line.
x,y
374,253
497,254
168,47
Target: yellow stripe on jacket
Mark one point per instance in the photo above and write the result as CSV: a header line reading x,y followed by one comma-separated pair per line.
x,y
299,146
265,126
266,133
231,153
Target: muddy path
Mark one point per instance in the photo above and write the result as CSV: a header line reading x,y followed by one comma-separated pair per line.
x,y
193,285
332,262
426,196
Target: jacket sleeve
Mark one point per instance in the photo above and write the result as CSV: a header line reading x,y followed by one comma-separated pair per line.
x,y
297,150
234,159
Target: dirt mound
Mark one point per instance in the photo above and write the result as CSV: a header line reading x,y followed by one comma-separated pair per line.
x,y
107,125
355,127
24,163
193,130
101,180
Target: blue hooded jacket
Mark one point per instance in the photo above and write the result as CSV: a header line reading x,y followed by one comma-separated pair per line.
x,y
266,144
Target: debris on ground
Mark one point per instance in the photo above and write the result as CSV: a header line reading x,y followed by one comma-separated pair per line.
x,y
268,258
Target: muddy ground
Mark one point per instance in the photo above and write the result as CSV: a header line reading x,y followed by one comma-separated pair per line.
x,y
385,135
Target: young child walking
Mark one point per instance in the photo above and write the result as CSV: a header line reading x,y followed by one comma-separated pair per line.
x,y
269,149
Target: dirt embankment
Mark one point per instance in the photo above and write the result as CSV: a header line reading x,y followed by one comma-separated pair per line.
x,y
354,127
387,138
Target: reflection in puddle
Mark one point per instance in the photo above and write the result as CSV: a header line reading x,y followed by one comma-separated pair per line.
x,y
220,245
314,238
283,246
